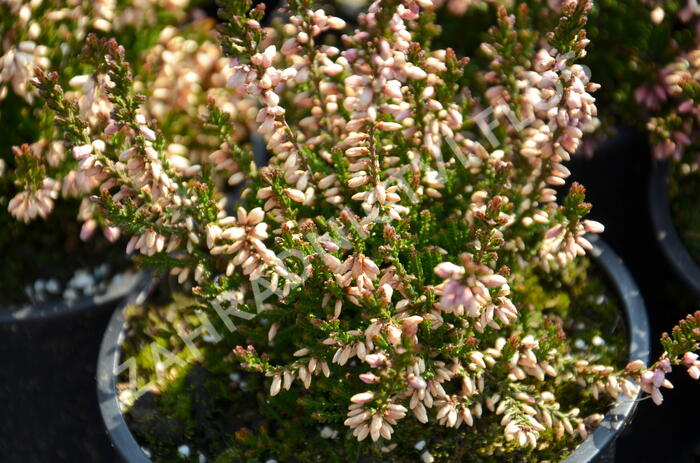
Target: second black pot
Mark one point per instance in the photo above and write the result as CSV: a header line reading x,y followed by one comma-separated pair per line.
x,y
665,231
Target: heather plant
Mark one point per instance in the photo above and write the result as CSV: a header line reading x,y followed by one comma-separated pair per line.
x,y
375,269
644,54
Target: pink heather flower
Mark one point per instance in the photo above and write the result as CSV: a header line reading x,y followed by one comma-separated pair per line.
x,y
388,126
336,23
570,139
652,381
82,152
694,371
392,89
455,294
369,378
329,245
88,229
148,133
408,13
111,129
375,360
394,335
417,382
414,72
362,397
647,379
656,396
493,280
635,365
689,358
28,205
591,226
657,378
554,232
111,233
543,61
410,325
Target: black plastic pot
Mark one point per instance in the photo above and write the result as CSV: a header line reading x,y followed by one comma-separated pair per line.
x,y
665,231
118,288
598,447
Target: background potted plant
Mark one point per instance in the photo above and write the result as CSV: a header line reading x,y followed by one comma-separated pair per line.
x,y
55,259
46,269
674,189
386,253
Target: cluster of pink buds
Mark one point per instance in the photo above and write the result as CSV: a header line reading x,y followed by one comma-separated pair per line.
x,y
242,237
303,369
525,434
674,138
652,380
652,96
466,291
92,99
27,205
563,245
605,380
691,362
375,425
17,67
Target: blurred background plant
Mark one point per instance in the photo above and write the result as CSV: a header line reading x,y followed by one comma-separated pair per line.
x,y
178,65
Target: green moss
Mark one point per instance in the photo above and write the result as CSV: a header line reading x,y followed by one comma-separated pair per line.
x,y
233,420
584,303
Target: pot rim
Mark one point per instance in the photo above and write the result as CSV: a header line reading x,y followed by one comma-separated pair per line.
x,y
607,431
665,232
59,308
639,345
